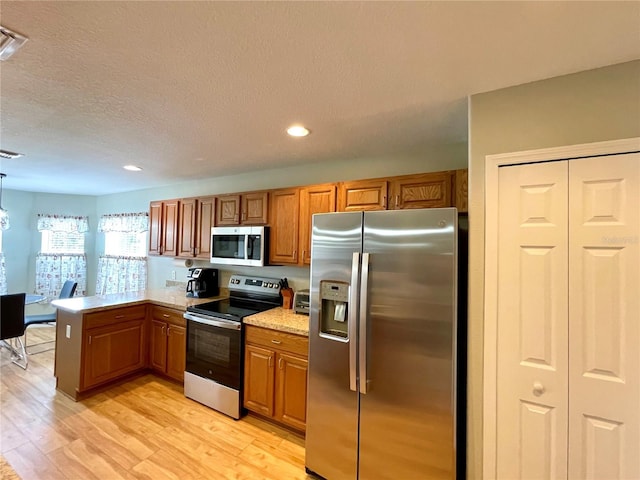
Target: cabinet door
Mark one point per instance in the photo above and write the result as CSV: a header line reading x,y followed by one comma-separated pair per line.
x,y
186,243
155,228
291,390
228,210
254,208
158,347
204,221
285,205
176,351
314,199
113,351
430,190
170,227
362,195
259,379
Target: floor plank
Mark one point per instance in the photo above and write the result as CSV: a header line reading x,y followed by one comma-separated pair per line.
x,y
143,429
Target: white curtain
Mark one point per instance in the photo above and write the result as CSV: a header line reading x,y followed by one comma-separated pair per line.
x,y
62,223
121,274
3,276
53,269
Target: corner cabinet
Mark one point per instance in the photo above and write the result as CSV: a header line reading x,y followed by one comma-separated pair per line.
x,y
195,221
163,227
113,344
242,209
167,349
275,375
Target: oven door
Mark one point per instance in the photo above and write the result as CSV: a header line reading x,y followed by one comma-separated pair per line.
x,y
214,349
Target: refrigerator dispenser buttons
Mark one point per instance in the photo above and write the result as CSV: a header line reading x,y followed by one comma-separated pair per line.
x,y
334,297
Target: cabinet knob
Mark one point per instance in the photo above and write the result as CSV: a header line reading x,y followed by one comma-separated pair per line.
x,y
538,389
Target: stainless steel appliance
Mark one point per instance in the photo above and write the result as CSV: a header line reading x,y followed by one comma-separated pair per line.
x,y
240,245
386,350
215,342
301,302
202,282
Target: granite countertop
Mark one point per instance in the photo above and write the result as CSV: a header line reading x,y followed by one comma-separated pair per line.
x,y
284,320
171,297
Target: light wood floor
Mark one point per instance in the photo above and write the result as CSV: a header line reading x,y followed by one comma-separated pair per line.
x,y
145,428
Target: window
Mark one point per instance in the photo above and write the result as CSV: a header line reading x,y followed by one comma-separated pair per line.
x,y
62,242
129,244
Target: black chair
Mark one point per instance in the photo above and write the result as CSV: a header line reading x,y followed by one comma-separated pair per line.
x,y
68,290
12,327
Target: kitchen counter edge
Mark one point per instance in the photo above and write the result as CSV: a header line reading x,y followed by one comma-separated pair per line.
x,y
281,319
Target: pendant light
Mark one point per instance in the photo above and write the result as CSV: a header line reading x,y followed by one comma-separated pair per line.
x,y
4,215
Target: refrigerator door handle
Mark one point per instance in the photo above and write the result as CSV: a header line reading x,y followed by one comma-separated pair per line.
x,y
353,321
364,310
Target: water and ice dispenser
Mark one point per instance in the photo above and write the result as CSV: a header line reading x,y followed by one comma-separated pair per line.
x,y
334,306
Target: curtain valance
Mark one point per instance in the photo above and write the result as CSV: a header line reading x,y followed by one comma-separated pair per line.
x,y
62,223
124,222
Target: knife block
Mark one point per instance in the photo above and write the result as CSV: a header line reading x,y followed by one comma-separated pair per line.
x,y
287,298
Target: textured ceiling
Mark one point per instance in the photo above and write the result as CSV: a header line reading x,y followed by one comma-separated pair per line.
x,y
191,90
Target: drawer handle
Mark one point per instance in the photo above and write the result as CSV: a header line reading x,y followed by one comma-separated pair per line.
x,y
119,316
277,342
166,315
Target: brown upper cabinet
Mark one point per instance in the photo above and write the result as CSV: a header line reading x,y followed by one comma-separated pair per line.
x,y
462,188
284,221
242,209
163,227
196,219
362,195
313,199
429,190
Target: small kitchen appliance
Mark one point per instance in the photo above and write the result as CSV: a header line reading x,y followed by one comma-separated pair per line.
x,y
215,342
202,282
301,302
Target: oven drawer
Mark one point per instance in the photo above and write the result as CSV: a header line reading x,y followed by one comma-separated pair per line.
x,y
279,340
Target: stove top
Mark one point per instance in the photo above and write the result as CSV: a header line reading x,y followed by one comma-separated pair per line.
x,y
225,309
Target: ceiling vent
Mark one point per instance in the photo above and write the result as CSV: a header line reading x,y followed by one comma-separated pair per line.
x,y
10,155
10,42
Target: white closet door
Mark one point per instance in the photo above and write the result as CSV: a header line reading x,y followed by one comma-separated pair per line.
x,y
532,322
604,318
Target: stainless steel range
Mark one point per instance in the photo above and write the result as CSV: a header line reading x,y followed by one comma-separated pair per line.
x,y
215,342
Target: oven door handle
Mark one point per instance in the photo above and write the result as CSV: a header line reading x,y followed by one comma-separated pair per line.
x,y
229,325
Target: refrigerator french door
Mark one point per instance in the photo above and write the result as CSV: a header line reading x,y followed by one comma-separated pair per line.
x,y
385,369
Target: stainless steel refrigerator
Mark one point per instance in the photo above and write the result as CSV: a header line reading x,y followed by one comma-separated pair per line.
x,y
386,350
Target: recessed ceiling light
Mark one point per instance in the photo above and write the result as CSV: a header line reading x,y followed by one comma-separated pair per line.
x,y
132,168
10,155
297,131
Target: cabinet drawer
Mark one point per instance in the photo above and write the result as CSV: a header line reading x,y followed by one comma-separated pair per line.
x,y
164,314
115,315
278,340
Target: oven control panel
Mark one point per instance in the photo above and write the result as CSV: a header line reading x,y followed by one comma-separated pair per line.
x,y
254,284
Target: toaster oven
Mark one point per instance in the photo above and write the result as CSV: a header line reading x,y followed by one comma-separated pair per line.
x,y
301,302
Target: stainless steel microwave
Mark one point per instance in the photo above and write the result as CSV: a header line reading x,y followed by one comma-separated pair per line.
x,y
240,246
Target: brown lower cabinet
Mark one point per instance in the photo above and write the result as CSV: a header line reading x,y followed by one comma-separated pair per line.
x,y
275,375
167,342
113,344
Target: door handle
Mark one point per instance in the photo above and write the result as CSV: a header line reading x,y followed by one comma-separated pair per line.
x,y
353,322
364,310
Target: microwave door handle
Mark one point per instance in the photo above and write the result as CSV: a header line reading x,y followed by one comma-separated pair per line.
x,y
246,247
353,322
364,312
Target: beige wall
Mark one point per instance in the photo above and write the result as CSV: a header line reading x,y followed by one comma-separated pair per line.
x,y
591,106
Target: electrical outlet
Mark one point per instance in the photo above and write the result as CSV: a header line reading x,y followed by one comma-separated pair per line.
x,y
68,332
173,274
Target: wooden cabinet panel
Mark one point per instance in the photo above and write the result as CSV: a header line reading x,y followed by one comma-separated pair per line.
x,y
113,351
228,210
259,380
429,190
205,218
168,342
362,195
186,243
276,375
115,315
284,216
313,199
163,227
176,352
254,208
157,347
462,190
291,390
